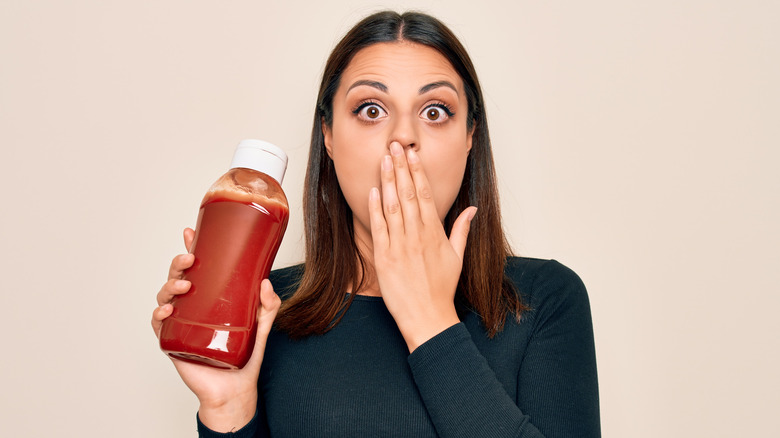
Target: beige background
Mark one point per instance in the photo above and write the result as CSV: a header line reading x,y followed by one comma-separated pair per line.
x,y
636,142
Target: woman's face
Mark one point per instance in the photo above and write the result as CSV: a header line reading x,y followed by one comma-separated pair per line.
x,y
398,92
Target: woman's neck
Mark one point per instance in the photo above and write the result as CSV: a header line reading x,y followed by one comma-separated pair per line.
x,y
366,273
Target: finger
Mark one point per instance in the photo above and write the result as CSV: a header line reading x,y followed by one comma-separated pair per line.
x,y
170,289
377,220
189,237
425,201
266,313
460,231
407,195
390,204
158,316
179,264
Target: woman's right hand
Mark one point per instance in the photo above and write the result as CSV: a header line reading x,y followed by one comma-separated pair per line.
x,y
228,398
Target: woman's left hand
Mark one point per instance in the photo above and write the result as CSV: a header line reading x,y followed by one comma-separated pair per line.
x,y
417,266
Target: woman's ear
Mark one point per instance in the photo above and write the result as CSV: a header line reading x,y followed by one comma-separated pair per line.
x,y
327,135
470,138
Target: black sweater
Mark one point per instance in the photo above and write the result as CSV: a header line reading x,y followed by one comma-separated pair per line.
x,y
536,378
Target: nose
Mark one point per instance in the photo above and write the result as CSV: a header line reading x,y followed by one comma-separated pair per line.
x,y
404,132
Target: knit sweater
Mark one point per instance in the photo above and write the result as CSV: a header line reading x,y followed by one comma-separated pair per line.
x,y
535,378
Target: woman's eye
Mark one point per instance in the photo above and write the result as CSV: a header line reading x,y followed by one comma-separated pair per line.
x,y
371,111
436,113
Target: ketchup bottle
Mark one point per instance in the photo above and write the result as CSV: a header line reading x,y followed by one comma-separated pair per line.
x,y
240,225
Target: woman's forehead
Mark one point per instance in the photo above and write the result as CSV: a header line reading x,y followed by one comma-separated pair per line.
x,y
400,63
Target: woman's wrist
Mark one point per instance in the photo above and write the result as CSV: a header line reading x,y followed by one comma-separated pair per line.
x,y
420,334
228,415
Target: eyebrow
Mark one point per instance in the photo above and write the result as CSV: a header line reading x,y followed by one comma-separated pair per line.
x,y
383,88
378,85
432,86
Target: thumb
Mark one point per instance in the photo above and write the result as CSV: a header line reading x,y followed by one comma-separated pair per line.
x,y
269,306
266,313
460,231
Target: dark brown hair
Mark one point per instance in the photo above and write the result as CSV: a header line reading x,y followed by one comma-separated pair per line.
x,y
331,253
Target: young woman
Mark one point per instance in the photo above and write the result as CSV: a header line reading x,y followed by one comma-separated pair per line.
x,y
410,316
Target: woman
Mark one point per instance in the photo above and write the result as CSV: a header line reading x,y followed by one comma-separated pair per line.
x,y
393,327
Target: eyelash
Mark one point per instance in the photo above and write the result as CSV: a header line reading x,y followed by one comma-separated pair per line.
x,y
441,105
364,104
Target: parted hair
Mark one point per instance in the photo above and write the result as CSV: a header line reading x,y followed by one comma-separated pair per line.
x,y
333,263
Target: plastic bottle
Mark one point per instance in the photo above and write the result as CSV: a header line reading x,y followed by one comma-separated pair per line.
x,y
240,225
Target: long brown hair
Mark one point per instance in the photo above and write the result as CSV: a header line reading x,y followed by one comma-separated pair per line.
x,y
330,269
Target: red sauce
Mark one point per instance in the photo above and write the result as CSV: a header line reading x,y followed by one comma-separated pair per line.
x,y
235,244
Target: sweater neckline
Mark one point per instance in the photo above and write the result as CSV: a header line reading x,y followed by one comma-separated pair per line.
x,y
366,298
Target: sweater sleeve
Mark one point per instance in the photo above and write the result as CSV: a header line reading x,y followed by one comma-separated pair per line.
x,y
248,431
557,387
558,382
462,394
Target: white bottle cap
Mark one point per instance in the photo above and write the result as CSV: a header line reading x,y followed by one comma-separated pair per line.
x,y
261,156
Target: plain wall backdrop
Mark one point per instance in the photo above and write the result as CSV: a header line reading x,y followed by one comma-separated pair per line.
x,y
636,142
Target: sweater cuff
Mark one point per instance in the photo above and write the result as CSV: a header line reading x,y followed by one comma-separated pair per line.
x,y
434,348
247,431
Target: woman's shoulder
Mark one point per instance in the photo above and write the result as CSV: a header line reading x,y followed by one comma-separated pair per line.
x,y
285,280
546,283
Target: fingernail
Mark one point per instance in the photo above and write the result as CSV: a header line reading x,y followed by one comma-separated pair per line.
x,y
472,213
373,194
395,148
413,157
180,284
387,163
